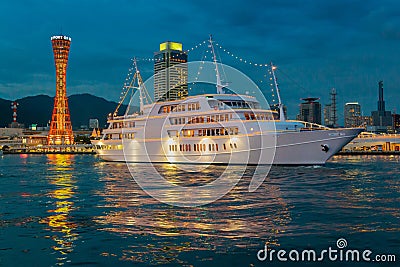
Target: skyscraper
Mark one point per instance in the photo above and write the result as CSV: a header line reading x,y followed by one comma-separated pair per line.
x,y
170,72
381,118
310,110
328,115
60,128
352,113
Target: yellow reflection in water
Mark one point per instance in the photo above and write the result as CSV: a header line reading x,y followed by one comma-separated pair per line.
x,y
59,220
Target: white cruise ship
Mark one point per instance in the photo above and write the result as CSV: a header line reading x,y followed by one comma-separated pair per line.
x,y
217,129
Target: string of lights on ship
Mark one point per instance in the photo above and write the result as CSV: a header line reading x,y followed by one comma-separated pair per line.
x,y
204,43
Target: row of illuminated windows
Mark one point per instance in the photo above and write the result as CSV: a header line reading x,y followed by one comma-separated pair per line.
x,y
261,116
108,147
179,108
200,147
205,132
119,136
127,124
202,119
210,132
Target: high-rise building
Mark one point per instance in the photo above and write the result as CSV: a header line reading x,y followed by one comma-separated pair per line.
x,y
60,132
170,72
310,110
328,115
396,122
334,117
381,118
352,113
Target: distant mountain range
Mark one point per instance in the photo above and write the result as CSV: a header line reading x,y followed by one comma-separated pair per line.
x,y
38,110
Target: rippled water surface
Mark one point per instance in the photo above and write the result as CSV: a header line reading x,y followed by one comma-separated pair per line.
x,y
78,210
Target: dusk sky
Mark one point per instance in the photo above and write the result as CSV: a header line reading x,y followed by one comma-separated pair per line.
x,y
317,45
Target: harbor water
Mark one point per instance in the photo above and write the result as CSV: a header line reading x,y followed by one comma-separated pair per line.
x,y
77,210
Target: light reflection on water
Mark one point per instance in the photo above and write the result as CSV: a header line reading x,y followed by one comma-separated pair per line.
x,y
62,229
230,222
79,210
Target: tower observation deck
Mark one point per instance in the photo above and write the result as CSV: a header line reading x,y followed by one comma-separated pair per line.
x,y
60,128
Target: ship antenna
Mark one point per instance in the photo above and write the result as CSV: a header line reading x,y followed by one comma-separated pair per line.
x,y
280,105
219,85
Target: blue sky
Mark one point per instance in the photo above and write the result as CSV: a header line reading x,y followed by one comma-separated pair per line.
x,y
317,45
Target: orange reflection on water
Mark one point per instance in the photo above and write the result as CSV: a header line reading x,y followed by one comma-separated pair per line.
x,y
59,220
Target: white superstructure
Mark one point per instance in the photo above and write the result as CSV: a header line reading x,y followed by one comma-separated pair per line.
x,y
218,129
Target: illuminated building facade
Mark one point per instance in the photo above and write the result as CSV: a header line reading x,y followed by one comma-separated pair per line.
x,y
60,128
310,110
170,72
352,113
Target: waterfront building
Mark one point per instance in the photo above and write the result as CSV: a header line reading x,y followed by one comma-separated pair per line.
x,y
310,110
352,113
396,122
170,72
60,127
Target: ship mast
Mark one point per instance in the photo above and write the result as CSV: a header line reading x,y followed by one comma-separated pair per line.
x,y
280,105
130,84
219,84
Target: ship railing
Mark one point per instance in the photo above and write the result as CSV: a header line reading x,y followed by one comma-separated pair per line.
x,y
310,126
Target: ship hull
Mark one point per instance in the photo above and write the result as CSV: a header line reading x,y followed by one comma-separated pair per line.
x,y
289,148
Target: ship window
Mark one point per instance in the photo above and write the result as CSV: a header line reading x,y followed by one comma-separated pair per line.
x,y
212,132
234,144
204,147
224,146
209,147
231,145
194,148
246,115
200,132
216,147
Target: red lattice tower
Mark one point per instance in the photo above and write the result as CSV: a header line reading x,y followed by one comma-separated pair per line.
x,y
60,128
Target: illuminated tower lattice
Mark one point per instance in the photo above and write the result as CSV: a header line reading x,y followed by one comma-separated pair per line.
x,y
60,128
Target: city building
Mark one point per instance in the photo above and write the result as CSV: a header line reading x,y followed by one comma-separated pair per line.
x,y
328,115
352,113
60,132
93,123
170,72
330,111
396,122
364,121
381,119
310,110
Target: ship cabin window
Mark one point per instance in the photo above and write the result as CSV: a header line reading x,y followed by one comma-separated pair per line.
x,y
129,124
260,116
193,106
